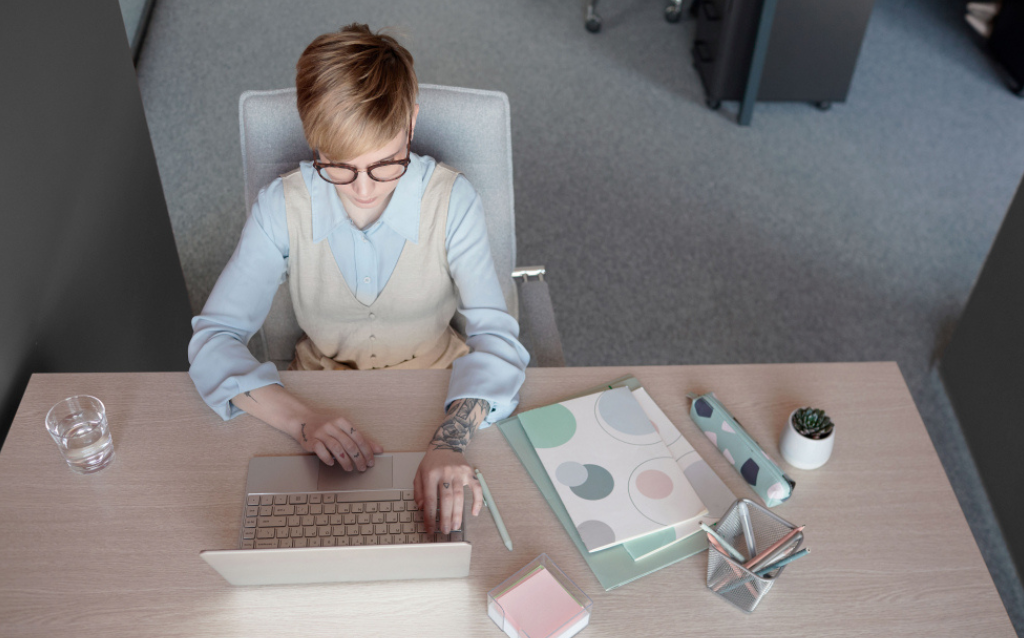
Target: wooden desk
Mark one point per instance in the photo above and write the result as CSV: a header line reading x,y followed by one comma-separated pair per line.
x,y
117,553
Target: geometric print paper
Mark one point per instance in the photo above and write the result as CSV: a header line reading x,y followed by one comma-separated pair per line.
x,y
615,475
713,493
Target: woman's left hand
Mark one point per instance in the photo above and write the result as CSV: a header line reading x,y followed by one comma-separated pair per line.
x,y
438,489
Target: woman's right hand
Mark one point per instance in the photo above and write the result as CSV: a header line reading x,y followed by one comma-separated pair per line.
x,y
336,439
332,438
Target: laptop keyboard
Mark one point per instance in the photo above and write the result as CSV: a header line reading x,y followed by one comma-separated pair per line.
x,y
336,519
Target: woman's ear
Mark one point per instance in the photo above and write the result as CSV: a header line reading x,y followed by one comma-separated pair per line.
x,y
415,114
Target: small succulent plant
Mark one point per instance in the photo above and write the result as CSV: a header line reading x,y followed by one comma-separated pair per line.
x,y
812,423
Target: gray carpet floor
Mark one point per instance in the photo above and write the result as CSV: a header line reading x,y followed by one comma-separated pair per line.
x,y
671,235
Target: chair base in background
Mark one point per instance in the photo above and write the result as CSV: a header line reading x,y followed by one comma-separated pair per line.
x,y
673,13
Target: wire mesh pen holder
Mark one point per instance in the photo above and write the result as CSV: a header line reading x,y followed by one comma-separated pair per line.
x,y
748,526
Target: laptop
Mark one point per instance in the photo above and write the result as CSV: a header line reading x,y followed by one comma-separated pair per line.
x,y
306,522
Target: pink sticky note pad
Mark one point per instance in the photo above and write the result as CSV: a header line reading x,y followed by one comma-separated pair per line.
x,y
539,606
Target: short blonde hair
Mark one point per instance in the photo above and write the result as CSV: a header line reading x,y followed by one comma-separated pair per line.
x,y
356,91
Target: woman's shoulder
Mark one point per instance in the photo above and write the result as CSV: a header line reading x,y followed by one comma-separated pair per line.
x,y
462,191
269,209
270,199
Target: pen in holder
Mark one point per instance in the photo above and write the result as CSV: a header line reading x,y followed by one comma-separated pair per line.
x,y
747,525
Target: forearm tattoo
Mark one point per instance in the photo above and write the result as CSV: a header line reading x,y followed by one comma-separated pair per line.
x,y
304,432
249,394
464,417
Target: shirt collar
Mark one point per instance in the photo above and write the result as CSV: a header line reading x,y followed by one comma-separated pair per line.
x,y
402,214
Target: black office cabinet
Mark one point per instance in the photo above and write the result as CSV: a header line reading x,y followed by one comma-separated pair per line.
x,y
1007,41
812,49
983,371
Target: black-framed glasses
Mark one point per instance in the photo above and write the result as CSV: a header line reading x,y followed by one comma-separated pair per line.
x,y
342,174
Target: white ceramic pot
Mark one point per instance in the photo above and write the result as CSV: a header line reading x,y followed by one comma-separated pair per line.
x,y
804,453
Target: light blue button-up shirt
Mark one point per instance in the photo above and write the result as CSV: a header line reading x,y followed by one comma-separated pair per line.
x,y
222,366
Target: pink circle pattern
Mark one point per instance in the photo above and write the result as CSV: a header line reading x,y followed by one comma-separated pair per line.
x,y
654,484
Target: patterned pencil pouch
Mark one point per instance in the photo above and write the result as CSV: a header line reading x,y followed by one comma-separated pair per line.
x,y
763,475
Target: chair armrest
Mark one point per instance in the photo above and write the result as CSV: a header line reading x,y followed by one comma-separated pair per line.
x,y
538,331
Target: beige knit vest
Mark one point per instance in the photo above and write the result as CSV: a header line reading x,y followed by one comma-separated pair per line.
x,y
407,326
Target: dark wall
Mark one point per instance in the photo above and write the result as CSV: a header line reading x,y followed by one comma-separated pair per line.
x,y
983,370
89,275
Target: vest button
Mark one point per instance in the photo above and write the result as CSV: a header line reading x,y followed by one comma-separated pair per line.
x,y
373,316
373,337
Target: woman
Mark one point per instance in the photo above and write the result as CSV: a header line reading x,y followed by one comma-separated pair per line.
x,y
380,247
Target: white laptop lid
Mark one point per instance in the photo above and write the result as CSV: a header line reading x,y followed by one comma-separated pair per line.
x,y
284,474
340,564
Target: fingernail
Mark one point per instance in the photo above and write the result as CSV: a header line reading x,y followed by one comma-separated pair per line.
x,y
370,464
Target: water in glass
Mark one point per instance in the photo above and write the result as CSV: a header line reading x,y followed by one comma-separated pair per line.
x,y
86,443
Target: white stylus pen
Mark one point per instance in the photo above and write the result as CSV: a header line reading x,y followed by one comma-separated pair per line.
x,y
493,507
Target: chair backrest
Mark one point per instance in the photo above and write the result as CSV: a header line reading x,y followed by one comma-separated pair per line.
x,y
464,128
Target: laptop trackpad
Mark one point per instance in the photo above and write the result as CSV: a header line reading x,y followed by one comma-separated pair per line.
x,y
334,478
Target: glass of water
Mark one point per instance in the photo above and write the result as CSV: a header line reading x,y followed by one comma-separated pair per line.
x,y
79,426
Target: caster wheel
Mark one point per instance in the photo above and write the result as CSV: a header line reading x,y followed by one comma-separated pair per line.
x,y
823,106
673,13
593,24
714,105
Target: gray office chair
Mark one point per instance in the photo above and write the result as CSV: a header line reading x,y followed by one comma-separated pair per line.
x,y
464,128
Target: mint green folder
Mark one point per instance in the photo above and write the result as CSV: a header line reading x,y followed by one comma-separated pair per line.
x,y
614,566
